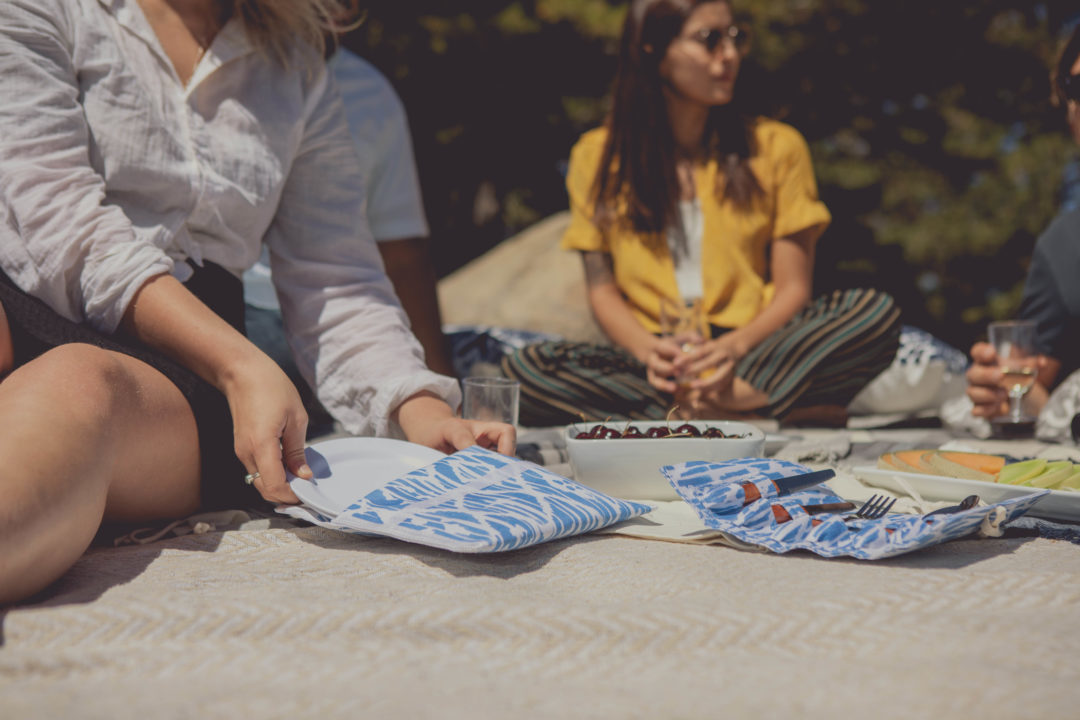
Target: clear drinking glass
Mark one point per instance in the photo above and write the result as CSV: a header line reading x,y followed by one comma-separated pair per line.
x,y
684,322
490,398
1014,342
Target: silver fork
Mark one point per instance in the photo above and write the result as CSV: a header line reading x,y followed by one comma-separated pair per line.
x,y
874,508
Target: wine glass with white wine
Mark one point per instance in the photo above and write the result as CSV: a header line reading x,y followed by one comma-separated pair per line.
x,y
1014,342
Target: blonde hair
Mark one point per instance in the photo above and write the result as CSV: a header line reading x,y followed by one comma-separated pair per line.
x,y
276,27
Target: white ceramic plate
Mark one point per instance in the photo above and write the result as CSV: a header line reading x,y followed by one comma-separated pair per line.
x,y
347,469
1057,505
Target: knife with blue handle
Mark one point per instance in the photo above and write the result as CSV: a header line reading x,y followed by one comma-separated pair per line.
x,y
736,495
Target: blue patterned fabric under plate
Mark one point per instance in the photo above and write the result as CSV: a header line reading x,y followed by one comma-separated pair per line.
x,y
702,483
477,501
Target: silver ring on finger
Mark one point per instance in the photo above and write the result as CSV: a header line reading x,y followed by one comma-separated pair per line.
x,y
252,477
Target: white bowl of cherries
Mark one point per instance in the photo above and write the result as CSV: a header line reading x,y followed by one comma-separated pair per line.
x,y
623,458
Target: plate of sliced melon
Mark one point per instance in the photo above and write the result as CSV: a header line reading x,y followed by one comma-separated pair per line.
x,y
952,475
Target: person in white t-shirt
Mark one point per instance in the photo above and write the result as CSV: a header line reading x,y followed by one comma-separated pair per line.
x,y
395,215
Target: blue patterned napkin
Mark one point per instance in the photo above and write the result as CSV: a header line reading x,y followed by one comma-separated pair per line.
x,y
827,535
477,501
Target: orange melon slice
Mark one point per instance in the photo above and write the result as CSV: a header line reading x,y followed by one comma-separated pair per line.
x,y
904,461
968,466
914,460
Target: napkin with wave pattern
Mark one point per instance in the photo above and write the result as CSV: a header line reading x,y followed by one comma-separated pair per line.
x,y
478,501
825,535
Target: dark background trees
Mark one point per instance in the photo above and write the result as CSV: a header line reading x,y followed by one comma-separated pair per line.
x,y
935,144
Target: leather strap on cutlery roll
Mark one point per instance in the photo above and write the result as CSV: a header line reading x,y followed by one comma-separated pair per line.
x,y
734,495
782,515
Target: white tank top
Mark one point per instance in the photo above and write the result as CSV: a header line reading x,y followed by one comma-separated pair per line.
x,y
684,241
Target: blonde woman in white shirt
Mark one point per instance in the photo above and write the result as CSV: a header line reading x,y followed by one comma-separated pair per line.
x,y
149,148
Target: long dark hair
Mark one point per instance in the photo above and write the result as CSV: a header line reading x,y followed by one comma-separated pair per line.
x,y
1063,67
637,178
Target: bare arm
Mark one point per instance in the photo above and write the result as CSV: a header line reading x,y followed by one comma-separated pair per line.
x,y
610,309
615,318
792,269
408,265
269,421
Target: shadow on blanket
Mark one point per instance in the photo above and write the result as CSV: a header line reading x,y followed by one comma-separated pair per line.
x,y
955,554
103,567
501,566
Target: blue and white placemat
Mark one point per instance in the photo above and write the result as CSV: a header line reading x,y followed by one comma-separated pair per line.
x,y
478,501
826,535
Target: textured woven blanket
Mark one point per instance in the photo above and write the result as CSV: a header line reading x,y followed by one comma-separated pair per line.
x,y
306,622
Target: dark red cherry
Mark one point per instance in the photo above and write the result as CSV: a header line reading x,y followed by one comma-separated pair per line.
x,y
606,433
713,432
632,433
657,432
687,429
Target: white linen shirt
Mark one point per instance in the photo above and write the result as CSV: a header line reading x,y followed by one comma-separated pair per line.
x,y
380,133
111,172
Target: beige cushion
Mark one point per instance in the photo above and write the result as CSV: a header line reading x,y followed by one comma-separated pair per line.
x,y
526,282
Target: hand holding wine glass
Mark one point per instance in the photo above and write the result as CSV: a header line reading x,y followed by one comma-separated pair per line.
x,y
1014,343
685,323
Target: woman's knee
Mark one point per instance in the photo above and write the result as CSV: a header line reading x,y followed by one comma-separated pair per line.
x,y
91,382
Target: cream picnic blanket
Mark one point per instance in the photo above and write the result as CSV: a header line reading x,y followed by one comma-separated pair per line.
x,y
270,622
310,623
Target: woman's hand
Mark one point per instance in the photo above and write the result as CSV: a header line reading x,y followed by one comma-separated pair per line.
x,y
660,364
984,383
269,421
712,364
269,426
427,420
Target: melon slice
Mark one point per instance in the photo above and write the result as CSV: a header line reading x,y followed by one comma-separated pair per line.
x,y
1052,476
911,461
887,462
1072,482
968,466
1021,472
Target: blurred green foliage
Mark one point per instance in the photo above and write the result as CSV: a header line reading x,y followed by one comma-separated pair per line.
x,y
936,146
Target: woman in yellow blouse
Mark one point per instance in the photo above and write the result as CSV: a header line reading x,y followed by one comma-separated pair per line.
x,y
681,200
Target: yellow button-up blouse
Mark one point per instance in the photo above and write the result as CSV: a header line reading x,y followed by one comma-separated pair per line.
x,y
735,242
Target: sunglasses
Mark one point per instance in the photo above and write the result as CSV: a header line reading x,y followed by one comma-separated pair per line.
x,y
733,37
1070,87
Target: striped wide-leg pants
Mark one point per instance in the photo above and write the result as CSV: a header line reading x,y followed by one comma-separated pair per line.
x,y
822,356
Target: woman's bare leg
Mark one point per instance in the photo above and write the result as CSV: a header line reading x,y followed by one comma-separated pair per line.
x,y
86,434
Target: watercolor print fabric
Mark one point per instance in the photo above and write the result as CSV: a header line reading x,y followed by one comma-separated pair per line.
x,y
477,501
702,483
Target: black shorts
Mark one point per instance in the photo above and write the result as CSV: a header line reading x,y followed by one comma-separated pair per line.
x,y
36,328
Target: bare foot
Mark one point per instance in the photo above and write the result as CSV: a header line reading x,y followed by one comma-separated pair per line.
x,y
834,416
738,401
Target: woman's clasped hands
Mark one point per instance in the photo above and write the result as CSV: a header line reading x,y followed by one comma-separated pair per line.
x,y
693,370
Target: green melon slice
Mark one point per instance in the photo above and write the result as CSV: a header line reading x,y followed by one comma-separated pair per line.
x,y
1021,472
1052,476
1072,482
